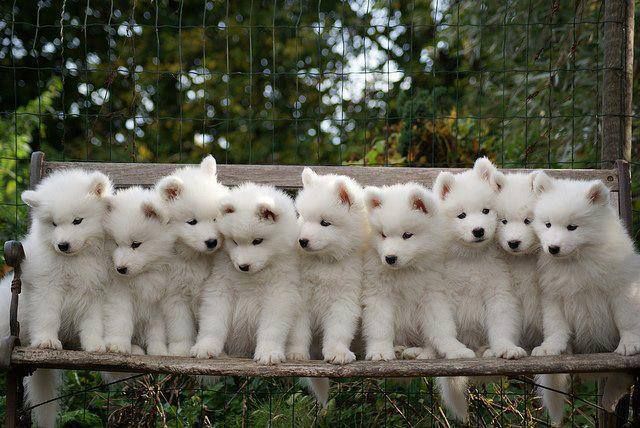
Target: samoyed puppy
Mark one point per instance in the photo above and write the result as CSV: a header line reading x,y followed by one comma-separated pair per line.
x,y
64,275
486,318
137,308
400,267
589,275
191,198
333,235
250,302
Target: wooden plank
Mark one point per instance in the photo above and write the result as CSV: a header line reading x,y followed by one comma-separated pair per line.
x,y
288,176
624,195
76,360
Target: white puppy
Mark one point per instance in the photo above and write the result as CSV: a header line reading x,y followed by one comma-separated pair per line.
x,y
191,197
64,275
333,235
252,298
589,276
137,307
477,290
400,267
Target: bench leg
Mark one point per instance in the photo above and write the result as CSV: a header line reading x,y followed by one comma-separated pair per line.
x,y
15,399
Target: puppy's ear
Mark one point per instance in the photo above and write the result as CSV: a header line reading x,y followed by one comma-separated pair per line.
x,y
484,168
498,181
532,180
542,183
209,166
308,176
421,199
153,211
444,184
344,195
226,207
30,197
267,210
598,194
170,188
372,197
99,185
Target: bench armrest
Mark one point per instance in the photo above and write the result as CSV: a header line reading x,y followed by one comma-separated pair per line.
x,y
13,256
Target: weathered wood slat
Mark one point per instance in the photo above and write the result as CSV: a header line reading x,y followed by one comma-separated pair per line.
x,y
288,176
76,360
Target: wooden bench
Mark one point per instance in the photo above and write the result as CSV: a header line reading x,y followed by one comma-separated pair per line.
x,y
19,361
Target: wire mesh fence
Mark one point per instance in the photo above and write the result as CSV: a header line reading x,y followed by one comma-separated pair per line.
x,y
360,82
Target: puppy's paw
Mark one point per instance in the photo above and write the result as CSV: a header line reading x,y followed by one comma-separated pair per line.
x,y
380,354
339,355
94,345
47,343
118,345
458,353
157,348
628,347
179,349
136,350
269,357
544,350
427,353
412,353
508,352
294,355
206,348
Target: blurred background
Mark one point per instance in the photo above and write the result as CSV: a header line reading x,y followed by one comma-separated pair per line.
x,y
431,83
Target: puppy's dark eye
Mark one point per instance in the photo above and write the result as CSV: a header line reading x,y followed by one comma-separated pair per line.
x,y
257,241
135,244
486,211
324,223
383,235
462,215
527,221
504,221
192,222
548,225
77,221
407,235
53,223
572,227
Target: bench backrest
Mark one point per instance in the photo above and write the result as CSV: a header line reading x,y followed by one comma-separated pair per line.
x,y
617,179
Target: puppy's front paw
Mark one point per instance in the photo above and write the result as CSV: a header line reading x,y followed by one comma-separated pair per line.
x,y
118,345
508,352
298,355
339,355
94,345
458,353
47,343
269,357
544,350
380,354
179,349
206,348
628,347
157,348
412,353
427,353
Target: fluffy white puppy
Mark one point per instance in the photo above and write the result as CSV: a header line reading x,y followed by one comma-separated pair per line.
x,y
333,235
64,275
191,197
252,298
589,274
137,307
401,265
477,291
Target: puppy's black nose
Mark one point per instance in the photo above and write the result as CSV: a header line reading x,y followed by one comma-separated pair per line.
x,y
514,244
63,246
478,232
391,259
554,249
303,242
122,270
211,243
244,268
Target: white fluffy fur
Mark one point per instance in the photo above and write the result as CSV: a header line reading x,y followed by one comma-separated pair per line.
x,y
331,265
591,286
251,311
62,292
191,197
478,308
404,224
139,304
